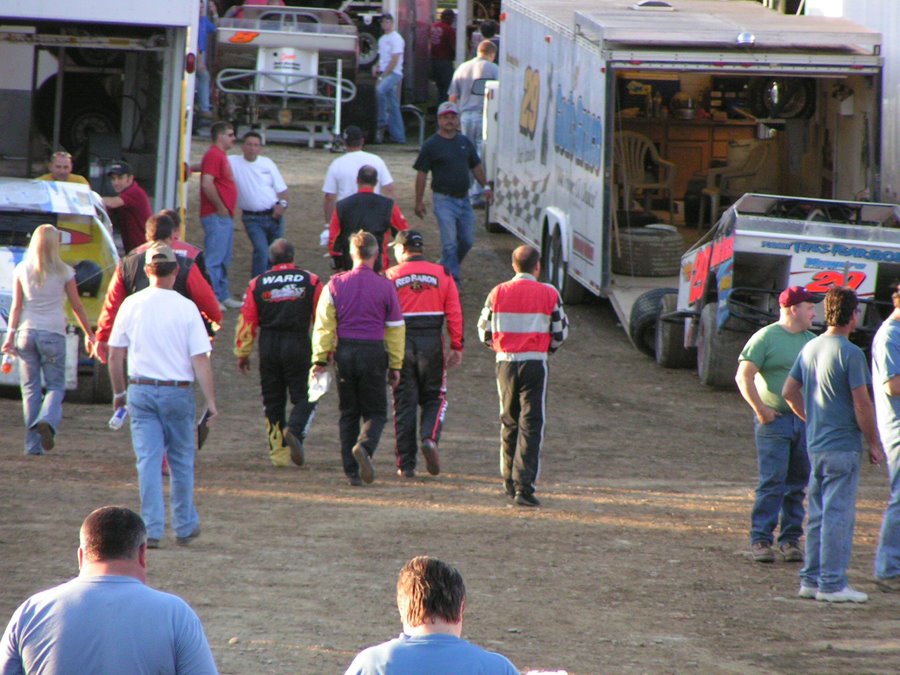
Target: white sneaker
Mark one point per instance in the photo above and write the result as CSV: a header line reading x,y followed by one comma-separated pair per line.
x,y
232,303
846,594
808,592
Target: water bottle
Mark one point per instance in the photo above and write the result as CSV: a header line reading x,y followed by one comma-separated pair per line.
x,y
117,421
7,364
324,236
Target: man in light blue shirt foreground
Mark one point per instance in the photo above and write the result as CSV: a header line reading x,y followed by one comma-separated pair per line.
x,y
431,597
106,620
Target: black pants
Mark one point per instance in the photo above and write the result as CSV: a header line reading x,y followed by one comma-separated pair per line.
x,y
423,384
361,379
442,74
523,391
284,360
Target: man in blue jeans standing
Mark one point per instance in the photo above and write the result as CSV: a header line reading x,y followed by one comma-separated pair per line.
x,y
218,197
886,379
764,365
389,71
828,387
449,156
262,196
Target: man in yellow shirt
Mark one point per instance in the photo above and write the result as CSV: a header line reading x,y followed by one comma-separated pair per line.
x,y
60,166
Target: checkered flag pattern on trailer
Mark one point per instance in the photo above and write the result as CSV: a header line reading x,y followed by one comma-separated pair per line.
x,y
522,200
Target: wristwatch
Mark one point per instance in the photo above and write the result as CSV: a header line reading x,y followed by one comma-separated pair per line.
x,y
283,203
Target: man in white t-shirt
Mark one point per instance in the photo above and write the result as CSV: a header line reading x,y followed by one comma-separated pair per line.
x,y
163,336
340,179
389,70
262,196
107,619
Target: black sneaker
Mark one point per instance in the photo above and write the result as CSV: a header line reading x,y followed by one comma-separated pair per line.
x,y
406,473
296,447
366,468
354,481
526,499
510,487
432,458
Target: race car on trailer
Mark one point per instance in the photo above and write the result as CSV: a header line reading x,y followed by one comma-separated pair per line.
x,y
720,98
730,280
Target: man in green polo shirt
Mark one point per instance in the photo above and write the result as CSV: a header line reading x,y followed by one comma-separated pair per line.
x,y
764,365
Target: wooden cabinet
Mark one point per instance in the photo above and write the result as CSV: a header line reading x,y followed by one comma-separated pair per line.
x,y
691,144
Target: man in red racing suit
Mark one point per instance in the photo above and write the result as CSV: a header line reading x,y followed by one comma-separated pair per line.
x,y
427,295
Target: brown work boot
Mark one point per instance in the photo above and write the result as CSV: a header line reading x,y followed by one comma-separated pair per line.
x,y
791,552
762,552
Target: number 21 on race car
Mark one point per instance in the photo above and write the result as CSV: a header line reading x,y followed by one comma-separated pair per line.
x,y
858,276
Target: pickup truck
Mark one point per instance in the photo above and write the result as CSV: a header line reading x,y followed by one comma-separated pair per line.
x,y
730,279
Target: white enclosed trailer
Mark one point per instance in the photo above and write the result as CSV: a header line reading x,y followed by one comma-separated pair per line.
x,y
576,75
104,80
884,16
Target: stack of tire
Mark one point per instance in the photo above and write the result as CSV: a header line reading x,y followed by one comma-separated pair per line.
x,y
650,251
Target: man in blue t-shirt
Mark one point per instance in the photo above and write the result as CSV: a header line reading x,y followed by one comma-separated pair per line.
x,y
431,597
449,156
107,620
886,379
828,387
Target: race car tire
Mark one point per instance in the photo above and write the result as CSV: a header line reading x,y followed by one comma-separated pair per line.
x,y
642,322
669,346
718,350
556,271
651,251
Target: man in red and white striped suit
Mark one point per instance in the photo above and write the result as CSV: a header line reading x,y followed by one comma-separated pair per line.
x,y
522,321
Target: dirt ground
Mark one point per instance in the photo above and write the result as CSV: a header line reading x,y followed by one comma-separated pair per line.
x,y
637,563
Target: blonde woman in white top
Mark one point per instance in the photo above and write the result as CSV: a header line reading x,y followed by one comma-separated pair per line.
x,y
37,334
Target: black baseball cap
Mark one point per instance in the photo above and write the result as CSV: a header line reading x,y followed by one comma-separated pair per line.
x,y
353,135
409,239
387,16
119,168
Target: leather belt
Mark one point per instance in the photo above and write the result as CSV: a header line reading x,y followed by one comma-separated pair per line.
x,y
158,383
458,196
267,212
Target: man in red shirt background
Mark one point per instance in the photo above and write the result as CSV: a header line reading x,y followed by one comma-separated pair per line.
x,y
218,197
442,37
130,208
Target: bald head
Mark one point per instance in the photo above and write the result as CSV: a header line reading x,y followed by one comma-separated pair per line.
x,y
281,251
487,50
526,259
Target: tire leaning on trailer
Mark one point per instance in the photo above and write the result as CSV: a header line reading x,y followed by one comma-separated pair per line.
x,y
651,251
644,317
718,350
669,344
